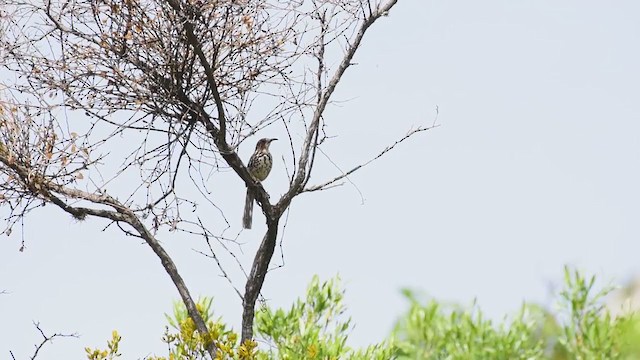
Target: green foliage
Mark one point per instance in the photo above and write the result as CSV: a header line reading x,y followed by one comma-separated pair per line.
x,y
315,328
630,342
312,329
582,329
590,332
186,343
433,331
110,353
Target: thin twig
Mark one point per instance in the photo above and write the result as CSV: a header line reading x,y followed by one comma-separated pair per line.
x,y
46,339
379,155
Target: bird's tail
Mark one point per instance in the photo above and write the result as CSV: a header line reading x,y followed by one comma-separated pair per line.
x,y
248,210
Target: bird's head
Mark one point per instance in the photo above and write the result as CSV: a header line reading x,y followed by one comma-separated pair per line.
x,y
263,144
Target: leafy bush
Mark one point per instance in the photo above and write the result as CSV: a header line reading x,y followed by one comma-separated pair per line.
x,y
315,328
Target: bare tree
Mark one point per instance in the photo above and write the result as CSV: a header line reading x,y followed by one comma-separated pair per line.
x,y
45,339
160,94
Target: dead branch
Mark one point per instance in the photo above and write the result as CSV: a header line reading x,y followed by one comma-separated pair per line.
x,y
333,181
46,339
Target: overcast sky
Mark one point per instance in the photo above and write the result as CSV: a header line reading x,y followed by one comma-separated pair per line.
x,y
535,165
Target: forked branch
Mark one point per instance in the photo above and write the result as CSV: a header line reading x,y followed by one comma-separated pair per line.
x,y
45,339
331,182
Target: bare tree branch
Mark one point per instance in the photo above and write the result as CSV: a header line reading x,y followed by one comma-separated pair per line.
x,y
195,44
328,183
45,339
307,147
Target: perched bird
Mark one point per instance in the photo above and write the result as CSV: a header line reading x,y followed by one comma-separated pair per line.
x,y
259,166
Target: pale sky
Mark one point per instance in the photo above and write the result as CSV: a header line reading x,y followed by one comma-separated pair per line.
x,y
535,165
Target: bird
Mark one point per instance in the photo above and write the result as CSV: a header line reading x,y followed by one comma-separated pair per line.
x,y
259,167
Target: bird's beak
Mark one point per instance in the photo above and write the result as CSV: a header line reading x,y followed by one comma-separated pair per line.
x,y
270,140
